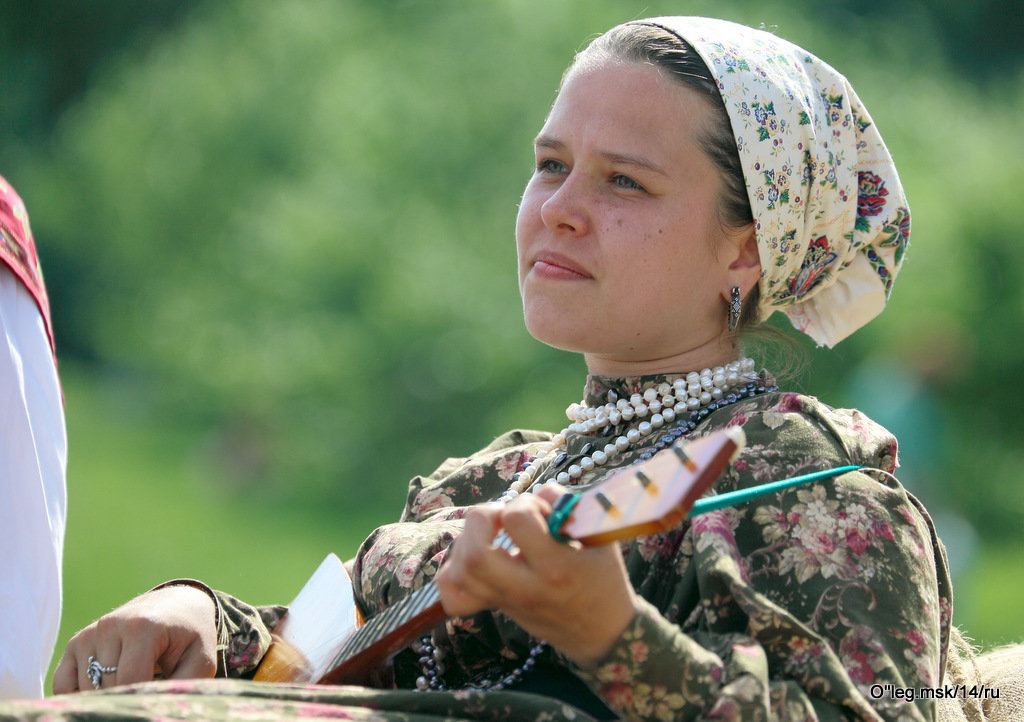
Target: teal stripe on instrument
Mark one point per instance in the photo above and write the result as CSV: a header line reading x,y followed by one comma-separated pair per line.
x,y
564,506
561,511
732,498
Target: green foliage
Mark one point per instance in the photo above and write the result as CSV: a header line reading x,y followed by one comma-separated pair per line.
x,y
305,219
988,600
289,225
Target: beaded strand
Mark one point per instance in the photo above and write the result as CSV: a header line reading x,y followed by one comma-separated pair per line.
x,y
432,663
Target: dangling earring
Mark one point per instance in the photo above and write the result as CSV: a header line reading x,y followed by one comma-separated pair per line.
x,y
735,308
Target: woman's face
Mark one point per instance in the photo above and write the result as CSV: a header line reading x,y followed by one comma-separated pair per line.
x,y
621,253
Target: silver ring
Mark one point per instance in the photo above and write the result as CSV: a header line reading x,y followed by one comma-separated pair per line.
x,y
95,671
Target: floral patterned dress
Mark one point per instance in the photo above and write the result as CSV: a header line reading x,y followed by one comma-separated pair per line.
x,y
812,603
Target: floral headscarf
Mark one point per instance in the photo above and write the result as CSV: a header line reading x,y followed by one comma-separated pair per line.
x,y
831,217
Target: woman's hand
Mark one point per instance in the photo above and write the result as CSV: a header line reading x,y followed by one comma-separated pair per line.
x,y
577,599
171,630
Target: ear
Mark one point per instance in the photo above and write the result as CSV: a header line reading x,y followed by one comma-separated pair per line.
x,y
744,268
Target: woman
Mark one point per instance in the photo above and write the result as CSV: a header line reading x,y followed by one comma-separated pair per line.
x,y
693,176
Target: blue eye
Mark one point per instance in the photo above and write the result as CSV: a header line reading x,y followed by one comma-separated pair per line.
x,y
549,165
624,181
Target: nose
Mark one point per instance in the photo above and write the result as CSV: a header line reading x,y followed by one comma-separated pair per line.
x,y
566,209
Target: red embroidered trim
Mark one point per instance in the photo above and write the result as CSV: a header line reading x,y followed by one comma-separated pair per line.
x,y
18,251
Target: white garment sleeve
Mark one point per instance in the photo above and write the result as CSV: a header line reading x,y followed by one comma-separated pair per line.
x,y
33,494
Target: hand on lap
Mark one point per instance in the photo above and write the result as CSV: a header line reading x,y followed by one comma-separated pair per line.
x,y
171,630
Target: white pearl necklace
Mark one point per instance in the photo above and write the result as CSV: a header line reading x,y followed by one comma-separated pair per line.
x,y
662,404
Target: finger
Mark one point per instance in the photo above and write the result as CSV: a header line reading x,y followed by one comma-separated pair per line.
x,y
480,576
526,524
84,682
464,590
462,593
138,658
107,652
65,675
551,491
482,523
195,663
81,646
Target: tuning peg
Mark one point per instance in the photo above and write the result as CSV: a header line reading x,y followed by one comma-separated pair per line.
x,y
686,460
646,481
606,503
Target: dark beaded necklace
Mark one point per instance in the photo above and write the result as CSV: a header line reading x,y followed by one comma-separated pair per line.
x,y
682,428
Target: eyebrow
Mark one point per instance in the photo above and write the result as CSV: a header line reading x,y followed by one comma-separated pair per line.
x,y
544,141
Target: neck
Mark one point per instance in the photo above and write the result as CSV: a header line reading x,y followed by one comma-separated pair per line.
x,y
716,353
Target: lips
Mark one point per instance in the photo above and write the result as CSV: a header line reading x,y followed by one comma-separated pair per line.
x,y
555,265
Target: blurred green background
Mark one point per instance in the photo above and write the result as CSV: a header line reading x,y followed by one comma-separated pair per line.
x,y
278,239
